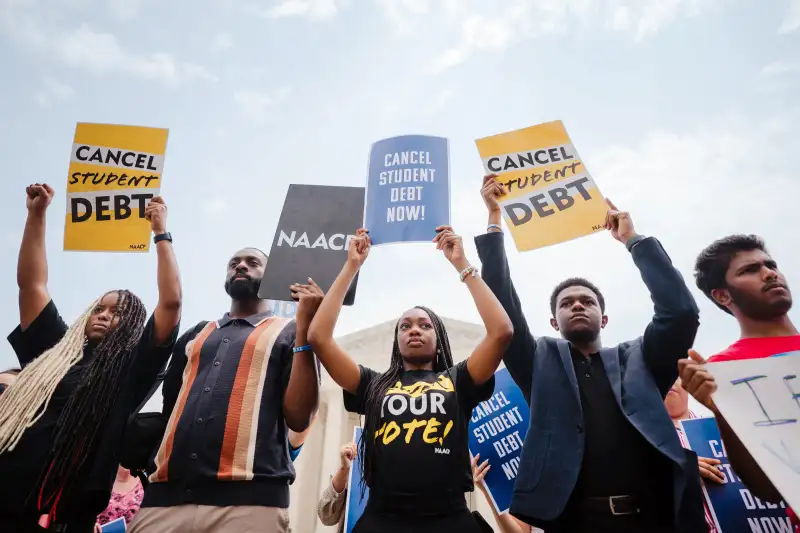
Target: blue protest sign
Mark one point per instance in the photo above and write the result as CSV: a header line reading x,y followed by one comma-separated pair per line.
x,y
497,430
116,526
355,503
732,506
408,189
283,309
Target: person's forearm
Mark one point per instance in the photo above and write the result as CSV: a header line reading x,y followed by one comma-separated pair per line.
x,y
32,261
494,220
170,293
328,313
339,480
495,319
302,392
506,522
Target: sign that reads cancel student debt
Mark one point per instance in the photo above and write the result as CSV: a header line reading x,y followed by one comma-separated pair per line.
x,y
550,196
114,171
315,228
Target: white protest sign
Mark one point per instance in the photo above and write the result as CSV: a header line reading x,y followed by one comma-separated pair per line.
x,y
760,399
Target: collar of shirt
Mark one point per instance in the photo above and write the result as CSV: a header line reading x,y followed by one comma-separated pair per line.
x,y
253,320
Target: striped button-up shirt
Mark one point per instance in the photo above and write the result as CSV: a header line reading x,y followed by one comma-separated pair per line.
x,y
226,438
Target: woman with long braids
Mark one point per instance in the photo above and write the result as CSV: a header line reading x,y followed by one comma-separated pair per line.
x,y
416,461
63,419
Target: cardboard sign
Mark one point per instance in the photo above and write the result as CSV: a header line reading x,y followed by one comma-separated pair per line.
x,y
355,505
760,400
408,189
313,234
114,171
733,508
550,196
497,430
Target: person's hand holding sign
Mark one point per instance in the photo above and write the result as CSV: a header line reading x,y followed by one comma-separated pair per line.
x,y
38,197
697,380
358,249
619,223
490,192
156,213
709,470
452,246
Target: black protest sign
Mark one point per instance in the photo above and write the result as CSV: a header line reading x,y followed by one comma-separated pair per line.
x,y
314,230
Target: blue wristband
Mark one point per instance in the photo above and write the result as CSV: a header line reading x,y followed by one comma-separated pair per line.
x,y
298,349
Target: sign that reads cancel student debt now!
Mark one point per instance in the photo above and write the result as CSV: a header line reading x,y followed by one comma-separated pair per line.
x,y
408,189
550,196
114,171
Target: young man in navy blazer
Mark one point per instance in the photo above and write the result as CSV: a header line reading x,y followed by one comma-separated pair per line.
x,y
601,453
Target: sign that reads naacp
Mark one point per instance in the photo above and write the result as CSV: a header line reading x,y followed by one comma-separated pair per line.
x,y
497,430
408,189
733,507
114,171
314,231
550,196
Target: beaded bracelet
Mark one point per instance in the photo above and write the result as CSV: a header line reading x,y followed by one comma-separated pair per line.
x,y
469,271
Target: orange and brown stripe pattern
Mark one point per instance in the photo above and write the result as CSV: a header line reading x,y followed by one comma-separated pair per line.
x,y
241,424
189,375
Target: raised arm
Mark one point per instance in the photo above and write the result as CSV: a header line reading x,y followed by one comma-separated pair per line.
x,y
497,275
341,367
167,314
672,330
486,357
32,262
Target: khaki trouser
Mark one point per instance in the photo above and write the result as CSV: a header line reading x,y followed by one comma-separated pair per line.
x,y
208,519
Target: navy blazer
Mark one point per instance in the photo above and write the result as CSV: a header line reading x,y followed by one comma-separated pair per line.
x,y
640,371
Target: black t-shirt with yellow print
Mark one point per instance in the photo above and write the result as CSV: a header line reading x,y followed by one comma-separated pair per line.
x,y
422,440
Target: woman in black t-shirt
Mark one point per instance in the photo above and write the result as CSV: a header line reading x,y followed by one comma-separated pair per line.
x,y
416,459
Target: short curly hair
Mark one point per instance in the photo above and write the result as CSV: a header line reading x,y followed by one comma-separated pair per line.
x,y
713,262
576,282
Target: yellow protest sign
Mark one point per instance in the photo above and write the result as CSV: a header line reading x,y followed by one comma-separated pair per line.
x,y
550,196
114,171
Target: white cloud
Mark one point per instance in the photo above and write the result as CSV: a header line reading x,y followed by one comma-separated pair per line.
x,y
222,41
791,21
780,67
100,53
311,9
502,23
255,104
124,10
53,92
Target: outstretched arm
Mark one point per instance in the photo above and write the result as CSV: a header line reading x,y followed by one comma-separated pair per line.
x,y
486,357
167,314
674,325
341,367
32,262
495,272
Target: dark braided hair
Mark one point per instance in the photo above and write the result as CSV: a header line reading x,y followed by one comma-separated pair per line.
x,y
79,428
377,390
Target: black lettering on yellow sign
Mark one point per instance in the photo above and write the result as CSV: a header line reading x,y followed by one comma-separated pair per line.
x,y
542,204
534,179
543,157
123,180
117,206
119,158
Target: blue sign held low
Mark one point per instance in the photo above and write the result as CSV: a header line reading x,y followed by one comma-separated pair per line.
x,y
355,503
732,506
497,430
408,189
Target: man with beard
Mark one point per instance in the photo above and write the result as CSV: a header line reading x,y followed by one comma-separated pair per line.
x,y
741,278
233,391
601,453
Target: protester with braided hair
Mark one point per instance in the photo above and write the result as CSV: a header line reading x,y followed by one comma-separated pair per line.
x,y
416,458
62,421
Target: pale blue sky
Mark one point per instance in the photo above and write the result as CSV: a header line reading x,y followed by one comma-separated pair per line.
x,y
684,111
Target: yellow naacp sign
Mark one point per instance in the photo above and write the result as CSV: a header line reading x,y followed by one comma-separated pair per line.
x,y
114,171
550,196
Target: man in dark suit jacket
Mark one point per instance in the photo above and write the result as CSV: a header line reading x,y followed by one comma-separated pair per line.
x,y
601,453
